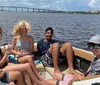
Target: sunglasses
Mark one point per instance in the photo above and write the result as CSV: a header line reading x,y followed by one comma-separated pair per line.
x,y
91,47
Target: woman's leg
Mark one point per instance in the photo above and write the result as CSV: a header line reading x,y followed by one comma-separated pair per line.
x,y
51,82
5,84
34,78
26,78
67,81
10,84
17,67
20,67
24,67
15,76
29,59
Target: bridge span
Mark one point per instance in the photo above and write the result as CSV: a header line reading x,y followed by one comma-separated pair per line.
x,y
26,9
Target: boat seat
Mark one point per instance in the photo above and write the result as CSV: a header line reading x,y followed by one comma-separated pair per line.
x,y
83,54
78,52
40,67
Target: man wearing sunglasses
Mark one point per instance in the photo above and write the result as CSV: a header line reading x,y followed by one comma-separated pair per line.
x,y
94,46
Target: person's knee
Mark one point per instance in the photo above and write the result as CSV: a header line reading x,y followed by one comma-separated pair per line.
x,y
29,69
27,65
18,75
29,58
68,45
56,45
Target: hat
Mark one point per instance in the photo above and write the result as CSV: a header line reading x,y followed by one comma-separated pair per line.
x,y
95,39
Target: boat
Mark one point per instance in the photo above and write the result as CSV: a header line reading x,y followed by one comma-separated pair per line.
x,y
82,60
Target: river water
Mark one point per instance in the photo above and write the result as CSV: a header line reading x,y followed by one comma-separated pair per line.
x,y
75,28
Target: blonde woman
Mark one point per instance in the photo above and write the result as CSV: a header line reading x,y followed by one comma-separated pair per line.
x,y
23,45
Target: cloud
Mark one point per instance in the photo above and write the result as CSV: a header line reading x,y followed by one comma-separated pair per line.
x,y
66,5
77,5
15,3
94,4
44,4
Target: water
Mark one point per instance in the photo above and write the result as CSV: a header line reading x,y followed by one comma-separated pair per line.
x,y
75,28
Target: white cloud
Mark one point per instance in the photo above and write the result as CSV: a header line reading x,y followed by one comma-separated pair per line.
x,y
95,4
67,5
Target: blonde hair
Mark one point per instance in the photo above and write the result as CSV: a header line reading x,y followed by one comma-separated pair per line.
x,y
16,29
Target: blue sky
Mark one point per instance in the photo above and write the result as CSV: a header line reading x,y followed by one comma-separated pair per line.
x,y
65,5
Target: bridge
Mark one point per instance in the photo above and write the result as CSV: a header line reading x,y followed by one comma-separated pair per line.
x,y
26,9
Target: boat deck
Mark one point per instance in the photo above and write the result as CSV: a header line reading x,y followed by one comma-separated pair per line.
x,y
84,57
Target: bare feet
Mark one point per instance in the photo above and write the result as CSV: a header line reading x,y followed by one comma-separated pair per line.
x,y
42,80
72,71
75,78
34,84
57,75
11,83
80,77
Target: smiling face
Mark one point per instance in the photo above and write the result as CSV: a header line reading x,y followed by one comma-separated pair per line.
x,y
23,30
48,35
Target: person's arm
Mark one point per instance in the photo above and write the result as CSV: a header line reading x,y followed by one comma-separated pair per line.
x,y
31,45
13,51
4,59
41,51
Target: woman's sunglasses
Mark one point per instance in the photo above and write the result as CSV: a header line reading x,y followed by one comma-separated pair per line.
x,y
91,47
